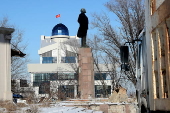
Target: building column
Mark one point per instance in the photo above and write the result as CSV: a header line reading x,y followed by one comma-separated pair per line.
x,y
5,63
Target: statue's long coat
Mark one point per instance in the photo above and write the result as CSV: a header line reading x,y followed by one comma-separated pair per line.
x,y
83,21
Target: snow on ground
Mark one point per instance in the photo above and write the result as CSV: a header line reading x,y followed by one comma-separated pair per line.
x,y
59,108
62,109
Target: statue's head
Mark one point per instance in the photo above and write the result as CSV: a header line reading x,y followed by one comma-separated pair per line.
x,y
83,10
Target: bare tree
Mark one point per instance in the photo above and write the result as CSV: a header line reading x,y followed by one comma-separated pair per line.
x,y
18,64
60,88
131,18
71,48
4,22
103,60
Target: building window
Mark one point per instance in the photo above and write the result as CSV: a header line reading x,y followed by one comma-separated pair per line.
x,y
47,57
49,60
44,88
37,77
65,91
102,91
100,76
53,76
66,76
43,77
23,83
68,60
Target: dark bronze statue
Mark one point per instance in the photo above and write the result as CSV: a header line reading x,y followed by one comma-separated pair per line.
x,y
82,31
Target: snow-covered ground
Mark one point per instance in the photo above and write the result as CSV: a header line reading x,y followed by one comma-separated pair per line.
x,y
63,109
72,107
58,108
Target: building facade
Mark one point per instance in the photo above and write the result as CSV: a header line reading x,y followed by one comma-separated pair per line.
x,y
58,71
157,20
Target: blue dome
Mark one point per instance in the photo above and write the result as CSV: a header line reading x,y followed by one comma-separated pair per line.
x,y
60,29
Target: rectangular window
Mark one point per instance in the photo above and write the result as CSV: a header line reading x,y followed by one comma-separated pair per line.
x,y
44,88
53,76
100,76
66,91
23,83
102,91
45,77
46,60
66,76
68,60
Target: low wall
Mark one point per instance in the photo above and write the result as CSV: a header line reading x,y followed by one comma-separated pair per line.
x,y
115,108
106,107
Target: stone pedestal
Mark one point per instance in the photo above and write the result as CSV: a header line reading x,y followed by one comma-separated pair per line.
x,y
86,74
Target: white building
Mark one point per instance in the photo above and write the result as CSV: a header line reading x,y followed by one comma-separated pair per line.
x,y
58,68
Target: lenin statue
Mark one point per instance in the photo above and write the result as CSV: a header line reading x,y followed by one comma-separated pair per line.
x,y
82,31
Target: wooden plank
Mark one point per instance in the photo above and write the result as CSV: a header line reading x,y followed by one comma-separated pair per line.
x,y
161,14
154,68
167,58
158,43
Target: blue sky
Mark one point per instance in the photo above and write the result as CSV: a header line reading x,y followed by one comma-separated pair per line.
x,y
37,17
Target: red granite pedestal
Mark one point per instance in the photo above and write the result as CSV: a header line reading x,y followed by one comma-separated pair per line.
x,y
86,74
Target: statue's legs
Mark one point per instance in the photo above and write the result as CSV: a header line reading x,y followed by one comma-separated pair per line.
x,y
83,41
